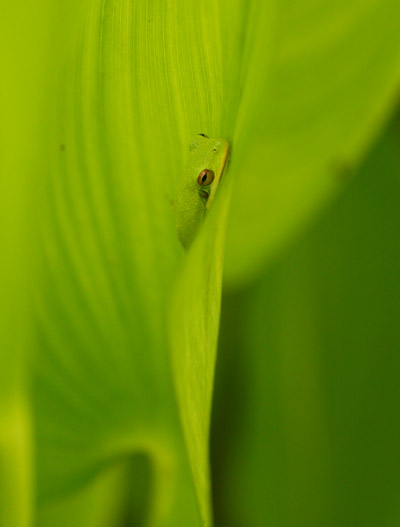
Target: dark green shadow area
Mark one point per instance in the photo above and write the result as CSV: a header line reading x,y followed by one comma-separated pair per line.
x,y
119,495
305,425
138,490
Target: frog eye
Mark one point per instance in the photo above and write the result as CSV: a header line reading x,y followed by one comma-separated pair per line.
x,y
206,177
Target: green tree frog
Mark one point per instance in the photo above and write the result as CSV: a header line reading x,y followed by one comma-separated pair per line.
x,y
207,160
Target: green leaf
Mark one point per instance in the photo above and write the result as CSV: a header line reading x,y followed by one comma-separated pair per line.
x,y
31,43
125,322
194,324
137,87
321,80
308,378
118,496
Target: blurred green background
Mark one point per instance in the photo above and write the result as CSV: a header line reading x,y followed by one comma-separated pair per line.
x,y
306,428
125,399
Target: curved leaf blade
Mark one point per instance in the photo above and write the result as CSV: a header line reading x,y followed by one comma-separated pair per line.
x,y
310,114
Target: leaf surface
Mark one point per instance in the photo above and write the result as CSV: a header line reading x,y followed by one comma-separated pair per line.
x,y
321,80
141,81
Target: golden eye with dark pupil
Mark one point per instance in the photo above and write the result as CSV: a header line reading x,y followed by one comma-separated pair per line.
x,y
206,177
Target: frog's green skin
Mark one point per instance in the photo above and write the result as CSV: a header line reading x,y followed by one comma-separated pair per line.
x,y
193,200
